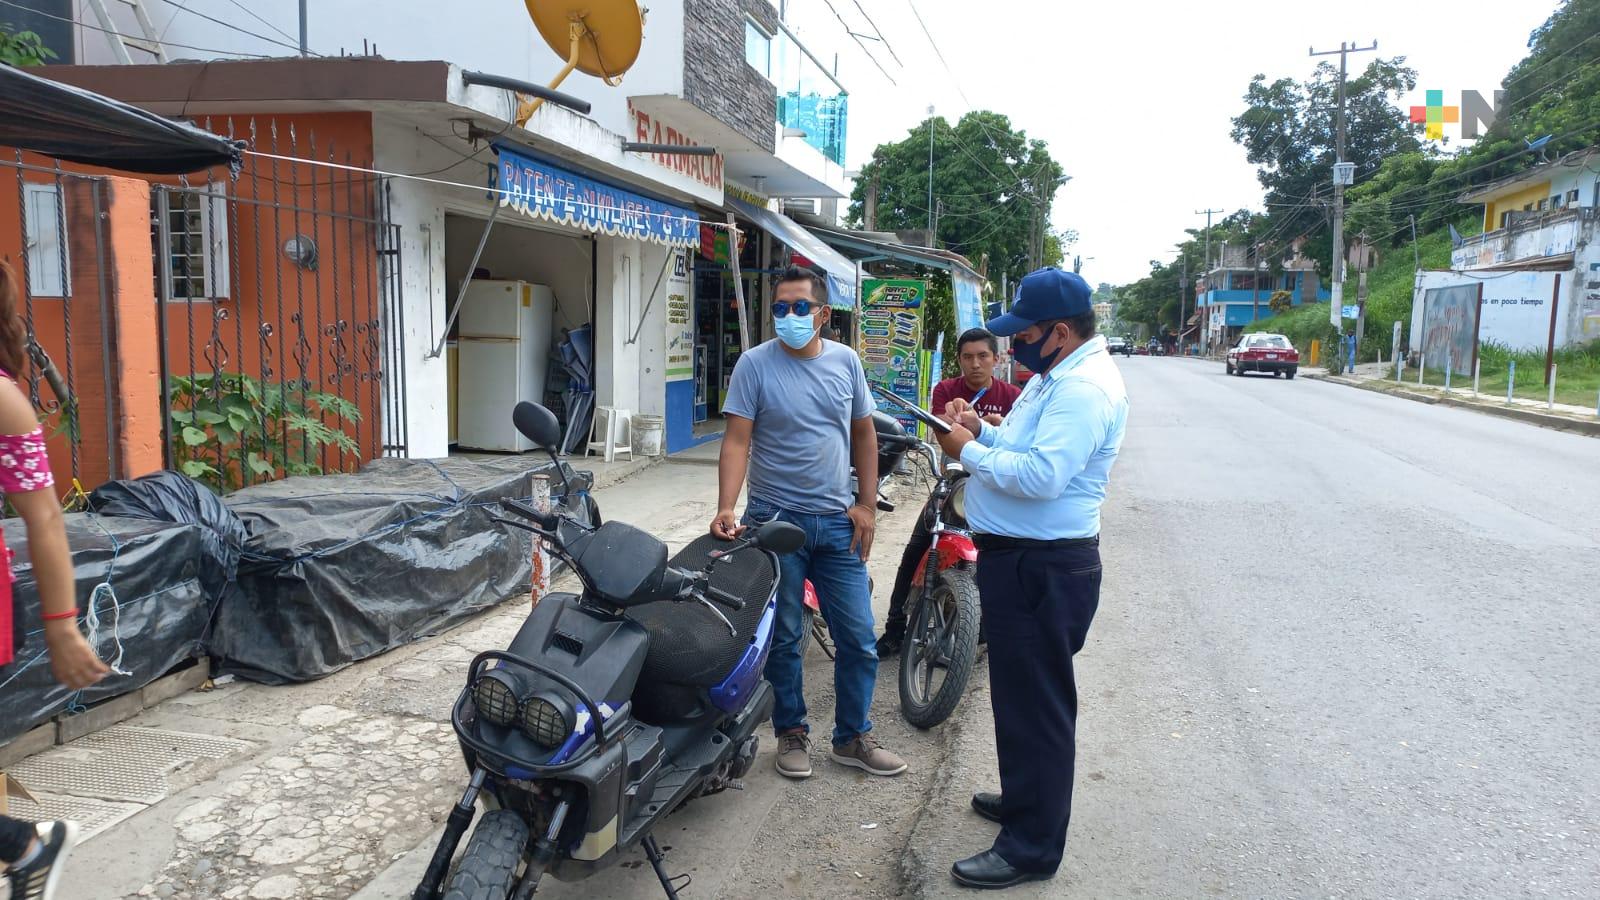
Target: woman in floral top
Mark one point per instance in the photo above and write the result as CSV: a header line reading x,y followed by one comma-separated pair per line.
x,y
32,854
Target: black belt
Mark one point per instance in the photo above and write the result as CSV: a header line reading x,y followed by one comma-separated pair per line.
x,y
1002,542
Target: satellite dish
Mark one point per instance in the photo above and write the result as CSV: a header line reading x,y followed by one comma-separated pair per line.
x,y
597,37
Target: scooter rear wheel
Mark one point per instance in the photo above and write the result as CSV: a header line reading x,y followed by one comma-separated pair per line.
x,y
488,868
942,637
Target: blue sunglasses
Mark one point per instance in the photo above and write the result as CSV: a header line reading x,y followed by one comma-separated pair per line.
x,y
798,307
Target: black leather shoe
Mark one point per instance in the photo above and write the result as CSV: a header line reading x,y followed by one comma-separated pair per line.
x,y
987,805
989,871
889,644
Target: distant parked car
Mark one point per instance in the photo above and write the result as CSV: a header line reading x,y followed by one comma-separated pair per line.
x,y
1264,353
1141,350
1119,345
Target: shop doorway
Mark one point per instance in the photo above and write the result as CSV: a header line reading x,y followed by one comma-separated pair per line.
x,y
716,317
548,270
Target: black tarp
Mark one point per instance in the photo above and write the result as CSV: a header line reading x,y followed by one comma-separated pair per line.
x,y
173,497
154,569
340,568
70,123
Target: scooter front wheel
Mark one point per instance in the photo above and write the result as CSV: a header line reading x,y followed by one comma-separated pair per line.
x,y
940,647
488,869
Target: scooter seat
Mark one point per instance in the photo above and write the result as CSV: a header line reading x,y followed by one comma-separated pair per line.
x,y
689,645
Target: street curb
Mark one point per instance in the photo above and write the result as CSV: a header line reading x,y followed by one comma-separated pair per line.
x,y
922,876
1515,413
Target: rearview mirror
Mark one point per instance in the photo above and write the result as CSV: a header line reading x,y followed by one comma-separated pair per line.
x,y
537,424
780,537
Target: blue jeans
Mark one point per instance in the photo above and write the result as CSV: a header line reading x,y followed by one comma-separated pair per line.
x,y
840,578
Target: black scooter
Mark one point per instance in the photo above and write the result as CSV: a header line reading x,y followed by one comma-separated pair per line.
x,y
612,708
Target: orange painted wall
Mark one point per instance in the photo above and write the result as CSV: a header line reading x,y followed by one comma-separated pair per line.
x,y
280,319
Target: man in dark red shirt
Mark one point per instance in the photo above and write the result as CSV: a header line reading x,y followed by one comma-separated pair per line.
x,y
978,351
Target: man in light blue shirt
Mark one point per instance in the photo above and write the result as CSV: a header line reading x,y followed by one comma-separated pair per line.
x,y
1033,502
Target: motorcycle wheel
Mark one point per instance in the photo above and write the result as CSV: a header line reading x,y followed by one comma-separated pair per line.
x,y
942,637
488,868
819,631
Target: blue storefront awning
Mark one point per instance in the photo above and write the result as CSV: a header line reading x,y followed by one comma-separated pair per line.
x,y
840,273
540,190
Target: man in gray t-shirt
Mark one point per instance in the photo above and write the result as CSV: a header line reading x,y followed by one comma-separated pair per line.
x,y
798,414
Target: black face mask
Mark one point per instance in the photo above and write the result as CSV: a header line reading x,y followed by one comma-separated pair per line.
x,y
1032,354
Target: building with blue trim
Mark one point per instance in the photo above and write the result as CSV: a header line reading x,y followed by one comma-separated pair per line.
x,y
1238,292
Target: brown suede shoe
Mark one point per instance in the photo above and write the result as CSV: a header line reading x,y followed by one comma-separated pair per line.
x,y
866,753
794,754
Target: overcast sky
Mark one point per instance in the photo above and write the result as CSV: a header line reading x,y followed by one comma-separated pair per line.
x,y
1135,97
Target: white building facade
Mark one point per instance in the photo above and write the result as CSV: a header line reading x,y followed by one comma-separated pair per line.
x,y
724,74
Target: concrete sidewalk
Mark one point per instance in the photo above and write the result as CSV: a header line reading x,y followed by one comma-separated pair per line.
x,y
324,789
1380,377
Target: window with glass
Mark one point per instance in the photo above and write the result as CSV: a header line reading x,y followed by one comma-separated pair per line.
x,y
810,100
757,47
47,252
192,244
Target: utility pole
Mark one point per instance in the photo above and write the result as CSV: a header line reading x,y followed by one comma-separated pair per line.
x,y
1335,311
1416,255
869,215
930,173
1255,285
1183,294
1205,270
1364,259
938,213
305,47
1207,213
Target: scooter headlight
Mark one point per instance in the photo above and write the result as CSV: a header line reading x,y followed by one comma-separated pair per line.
x,y
545,723
495,700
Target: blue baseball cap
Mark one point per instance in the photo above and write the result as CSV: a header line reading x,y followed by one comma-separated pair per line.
x,y
1043,295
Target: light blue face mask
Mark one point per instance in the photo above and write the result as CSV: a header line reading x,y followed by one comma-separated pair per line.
x,y
795,331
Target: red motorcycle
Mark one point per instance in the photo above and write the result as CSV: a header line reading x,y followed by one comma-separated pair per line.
x,y
819,625
943,613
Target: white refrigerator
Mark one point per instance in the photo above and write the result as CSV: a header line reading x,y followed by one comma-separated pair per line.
x,y
503,353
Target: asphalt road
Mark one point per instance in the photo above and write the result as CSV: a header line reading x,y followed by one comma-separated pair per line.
x,y
1348,646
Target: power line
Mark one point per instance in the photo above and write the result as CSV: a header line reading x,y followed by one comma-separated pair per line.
x,y
181,7
1556,82
1481,166
880,34
937,52
857,38
247,11
1543,63
982,126
1465,172
118,34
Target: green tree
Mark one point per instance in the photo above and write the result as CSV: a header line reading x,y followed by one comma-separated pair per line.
x,y
23,48
1288,128
993,187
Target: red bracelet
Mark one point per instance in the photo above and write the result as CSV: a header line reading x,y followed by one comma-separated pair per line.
x,y
70,614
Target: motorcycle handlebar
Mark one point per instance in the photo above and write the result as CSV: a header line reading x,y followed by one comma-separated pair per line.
x,y
689,584
726,599
548,521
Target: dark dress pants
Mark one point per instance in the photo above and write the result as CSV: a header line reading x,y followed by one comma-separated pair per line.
x,y
1037,606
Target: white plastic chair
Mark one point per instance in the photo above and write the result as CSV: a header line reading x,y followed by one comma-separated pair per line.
x,y
613,420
